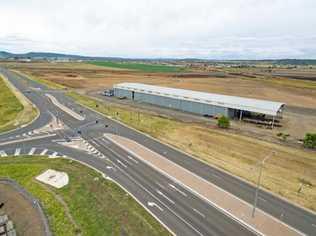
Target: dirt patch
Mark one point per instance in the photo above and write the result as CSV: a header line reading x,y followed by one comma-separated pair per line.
x,y
26,218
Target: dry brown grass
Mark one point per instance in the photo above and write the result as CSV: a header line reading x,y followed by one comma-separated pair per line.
x,y
236,154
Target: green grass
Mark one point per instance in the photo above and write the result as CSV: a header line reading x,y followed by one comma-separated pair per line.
x,y
10,107
156,126
98,206
150,68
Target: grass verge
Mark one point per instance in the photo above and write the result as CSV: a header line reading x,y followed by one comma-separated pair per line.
x,y
150,68
88,205
15,109
283,174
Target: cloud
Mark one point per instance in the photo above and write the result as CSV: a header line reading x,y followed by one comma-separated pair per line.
x,y
245,29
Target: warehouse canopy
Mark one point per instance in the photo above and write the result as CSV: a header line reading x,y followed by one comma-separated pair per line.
x,y
233,102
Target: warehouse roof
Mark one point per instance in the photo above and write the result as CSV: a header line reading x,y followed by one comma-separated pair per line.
x,y
234,102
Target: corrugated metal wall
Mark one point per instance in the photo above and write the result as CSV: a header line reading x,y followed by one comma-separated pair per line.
x,y
177,104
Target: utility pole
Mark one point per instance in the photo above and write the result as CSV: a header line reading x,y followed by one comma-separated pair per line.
x,y
259,181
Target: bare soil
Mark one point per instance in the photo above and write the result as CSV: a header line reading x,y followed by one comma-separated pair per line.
x,y
26,219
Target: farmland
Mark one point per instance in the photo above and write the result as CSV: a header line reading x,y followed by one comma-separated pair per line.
x,y
138,66
231,150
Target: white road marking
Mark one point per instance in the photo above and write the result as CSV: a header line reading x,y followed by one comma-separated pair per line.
x,y
198,212
161,186
178,190
17,151
94,142
105,141
121,163
109,167
43,152
32,151
132,159
53,155
262,199
3,154
152,204
160,193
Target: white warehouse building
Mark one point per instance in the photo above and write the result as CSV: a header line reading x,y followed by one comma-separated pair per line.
x,y
207,104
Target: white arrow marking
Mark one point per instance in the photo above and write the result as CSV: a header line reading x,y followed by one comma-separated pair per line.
x,y
160,193
178,190
152,204
17,151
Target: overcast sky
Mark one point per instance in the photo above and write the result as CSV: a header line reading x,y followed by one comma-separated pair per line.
x,y
225,29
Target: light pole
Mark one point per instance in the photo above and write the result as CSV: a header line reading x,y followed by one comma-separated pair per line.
x,y
259,181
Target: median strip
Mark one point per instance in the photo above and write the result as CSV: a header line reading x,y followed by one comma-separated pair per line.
x,y
225,202
64,108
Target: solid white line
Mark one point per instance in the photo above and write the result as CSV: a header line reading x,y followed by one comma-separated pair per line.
x,y
43,152
160,193
178,190
32,151
198,212
155,197
17,151
132,159
3,154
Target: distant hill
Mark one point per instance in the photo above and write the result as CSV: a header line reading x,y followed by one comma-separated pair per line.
x,y
49,55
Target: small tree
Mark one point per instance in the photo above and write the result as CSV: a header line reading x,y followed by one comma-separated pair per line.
x,y
310,140
223,122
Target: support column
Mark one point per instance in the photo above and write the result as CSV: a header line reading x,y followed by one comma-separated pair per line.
x,y
240,116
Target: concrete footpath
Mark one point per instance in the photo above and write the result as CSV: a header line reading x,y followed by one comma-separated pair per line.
x,y
227,203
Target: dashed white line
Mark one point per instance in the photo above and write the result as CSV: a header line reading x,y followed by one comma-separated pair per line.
x,y
198,212
178,190
262,199
160,193
161,186
121,163
132,159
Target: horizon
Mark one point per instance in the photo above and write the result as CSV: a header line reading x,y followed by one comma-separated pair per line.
x,y
202,29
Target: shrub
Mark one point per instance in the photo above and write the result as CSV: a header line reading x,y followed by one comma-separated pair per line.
x,y
310,140
223,122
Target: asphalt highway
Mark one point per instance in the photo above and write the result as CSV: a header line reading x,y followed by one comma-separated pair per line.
x,y
178,209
